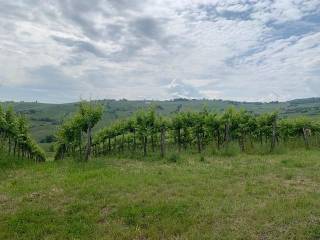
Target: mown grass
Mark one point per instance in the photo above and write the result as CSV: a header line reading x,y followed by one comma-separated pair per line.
x,y
184,197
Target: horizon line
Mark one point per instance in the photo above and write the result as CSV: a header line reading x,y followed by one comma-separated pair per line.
x,y
157,100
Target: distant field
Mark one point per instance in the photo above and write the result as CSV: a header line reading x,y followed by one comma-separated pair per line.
x,y
45,118
242,197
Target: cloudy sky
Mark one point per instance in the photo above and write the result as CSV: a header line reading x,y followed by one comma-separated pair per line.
x,y
253,50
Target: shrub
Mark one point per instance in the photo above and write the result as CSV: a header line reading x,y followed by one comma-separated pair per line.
x,y
174,157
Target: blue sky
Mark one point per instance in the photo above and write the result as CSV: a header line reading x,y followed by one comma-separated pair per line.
x,y
248,50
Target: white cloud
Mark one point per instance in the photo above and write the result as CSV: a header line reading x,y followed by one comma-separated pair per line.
x,y
235,49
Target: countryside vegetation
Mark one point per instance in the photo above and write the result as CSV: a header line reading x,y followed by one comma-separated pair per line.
x,y
44,118
15,138
115,122
229,173
147,132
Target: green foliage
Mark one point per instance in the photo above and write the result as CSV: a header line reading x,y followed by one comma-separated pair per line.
x,y
70,133
15,138
173,157
44,118
230,150
148,132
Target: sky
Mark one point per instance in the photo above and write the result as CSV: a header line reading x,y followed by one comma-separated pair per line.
x,y
248,50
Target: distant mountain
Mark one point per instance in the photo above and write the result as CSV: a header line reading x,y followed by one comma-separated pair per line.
x,y
45,118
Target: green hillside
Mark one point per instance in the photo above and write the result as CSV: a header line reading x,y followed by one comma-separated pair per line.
x,y
44,118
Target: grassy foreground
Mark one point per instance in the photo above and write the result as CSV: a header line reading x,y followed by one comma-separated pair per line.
x,y
240,197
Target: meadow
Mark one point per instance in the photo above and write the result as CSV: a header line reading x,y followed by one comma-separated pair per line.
x,y
184,196
190,175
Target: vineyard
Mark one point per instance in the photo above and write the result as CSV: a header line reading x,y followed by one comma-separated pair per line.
x,y
44,118
152,176
15,138
146,132
149,133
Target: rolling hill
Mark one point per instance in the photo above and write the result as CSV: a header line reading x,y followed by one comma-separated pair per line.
x,y
45,118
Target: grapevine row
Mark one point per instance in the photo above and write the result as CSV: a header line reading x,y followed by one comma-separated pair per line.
x,y
148,132
15,138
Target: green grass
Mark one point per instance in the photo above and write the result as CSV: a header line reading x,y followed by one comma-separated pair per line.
x,y
184,197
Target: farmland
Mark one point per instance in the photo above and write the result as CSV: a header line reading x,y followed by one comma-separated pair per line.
x,y
233,173
272,196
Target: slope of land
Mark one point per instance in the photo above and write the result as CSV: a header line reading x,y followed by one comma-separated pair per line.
x,y
240,197
46,117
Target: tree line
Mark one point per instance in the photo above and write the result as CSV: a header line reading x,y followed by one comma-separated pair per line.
x,y
146,131
15,138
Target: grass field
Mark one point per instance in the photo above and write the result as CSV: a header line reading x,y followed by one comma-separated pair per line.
x,y
240,197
